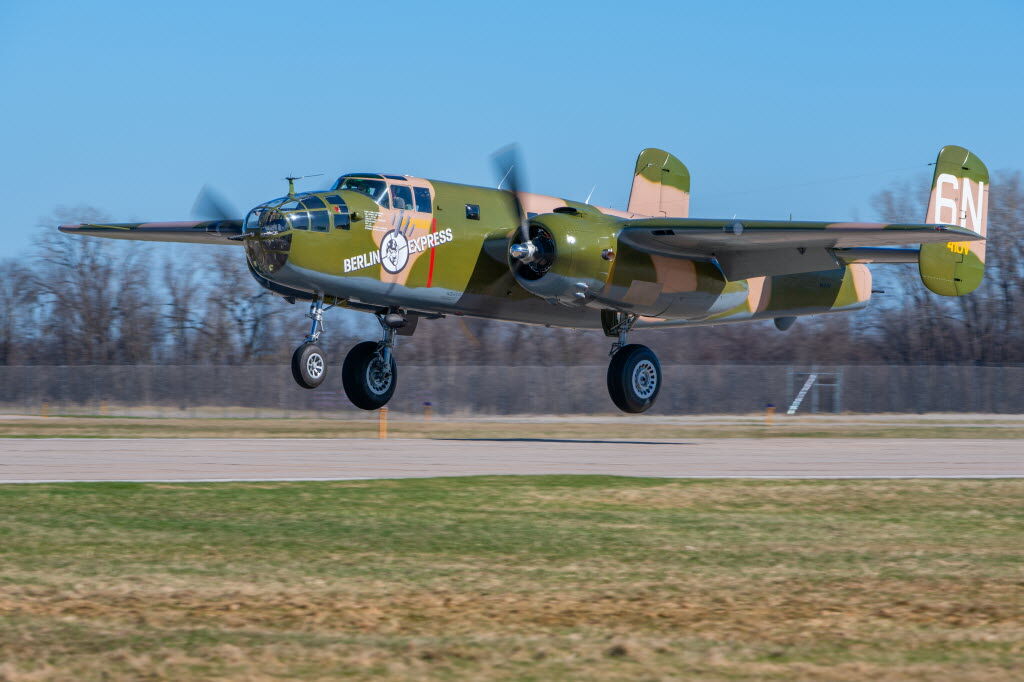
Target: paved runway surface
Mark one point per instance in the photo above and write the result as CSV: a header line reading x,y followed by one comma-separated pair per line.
x,y
66,459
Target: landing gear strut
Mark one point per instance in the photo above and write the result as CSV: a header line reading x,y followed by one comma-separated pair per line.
x,y
634,373
309,364
370,373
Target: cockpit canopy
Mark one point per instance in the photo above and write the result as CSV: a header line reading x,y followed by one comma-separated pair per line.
x,y
306,211
374,187
405,193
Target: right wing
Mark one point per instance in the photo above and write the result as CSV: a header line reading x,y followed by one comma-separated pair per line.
x,y
196,232
752,248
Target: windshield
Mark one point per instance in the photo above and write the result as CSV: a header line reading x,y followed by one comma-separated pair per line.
x,y
375,189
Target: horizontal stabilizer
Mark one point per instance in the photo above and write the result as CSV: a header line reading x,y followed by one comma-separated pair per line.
x,y
877,254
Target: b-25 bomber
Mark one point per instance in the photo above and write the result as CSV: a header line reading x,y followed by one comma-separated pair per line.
x,y
406,248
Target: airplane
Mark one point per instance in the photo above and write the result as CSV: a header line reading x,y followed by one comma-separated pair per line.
x,y
406,248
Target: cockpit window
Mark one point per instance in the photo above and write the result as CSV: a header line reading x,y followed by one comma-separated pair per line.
x,y
313,202
375,189
422,199
401,197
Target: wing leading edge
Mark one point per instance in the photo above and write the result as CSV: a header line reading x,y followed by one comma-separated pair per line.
x,y
195,232
751,248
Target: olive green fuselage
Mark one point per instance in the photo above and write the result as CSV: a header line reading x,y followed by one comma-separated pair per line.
x,y
453,259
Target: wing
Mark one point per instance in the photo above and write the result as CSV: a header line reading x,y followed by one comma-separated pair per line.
x,y
196,232
751,248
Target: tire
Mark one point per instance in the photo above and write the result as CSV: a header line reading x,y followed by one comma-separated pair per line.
x,y
368,384
634,378
309,365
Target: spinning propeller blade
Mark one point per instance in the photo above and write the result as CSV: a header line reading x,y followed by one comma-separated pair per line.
x,y
508,168
212,205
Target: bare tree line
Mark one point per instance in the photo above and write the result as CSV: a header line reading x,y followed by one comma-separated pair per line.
x,y
77,301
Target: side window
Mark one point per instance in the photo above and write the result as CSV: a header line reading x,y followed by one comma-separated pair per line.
x,y
473,211
339,210
401,197
385,200
321,221
422,199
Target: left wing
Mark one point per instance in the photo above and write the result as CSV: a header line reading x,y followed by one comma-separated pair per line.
x,y
197,232
751,248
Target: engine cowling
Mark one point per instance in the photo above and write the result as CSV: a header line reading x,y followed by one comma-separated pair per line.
x,y
567,257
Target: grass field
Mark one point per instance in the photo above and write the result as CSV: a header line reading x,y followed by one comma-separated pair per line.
x,y
514,578
848,426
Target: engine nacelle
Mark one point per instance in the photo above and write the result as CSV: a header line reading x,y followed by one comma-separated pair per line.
x,y
568,256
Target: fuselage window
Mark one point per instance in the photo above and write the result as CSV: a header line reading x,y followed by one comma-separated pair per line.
x,y
321,221
401,197
473,211
313,202
422,199
299,220
339,210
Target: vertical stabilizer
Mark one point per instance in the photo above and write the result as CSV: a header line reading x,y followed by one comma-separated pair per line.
x,y
960,192
661,186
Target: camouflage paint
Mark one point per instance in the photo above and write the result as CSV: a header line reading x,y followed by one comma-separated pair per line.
x,y
661,186
447,262
959,196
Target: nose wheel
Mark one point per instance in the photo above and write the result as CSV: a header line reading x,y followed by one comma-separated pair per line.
x,y
309,364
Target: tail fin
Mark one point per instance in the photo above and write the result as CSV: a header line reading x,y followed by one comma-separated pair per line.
x,y
661,186
959,197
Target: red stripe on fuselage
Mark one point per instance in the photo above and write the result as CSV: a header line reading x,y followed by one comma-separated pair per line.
x,y
430,272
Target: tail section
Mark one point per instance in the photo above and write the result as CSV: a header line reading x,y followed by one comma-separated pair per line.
x,y
959,197
661,186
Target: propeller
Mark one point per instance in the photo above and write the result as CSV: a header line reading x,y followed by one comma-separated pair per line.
x,y
507,167
212,205
531,250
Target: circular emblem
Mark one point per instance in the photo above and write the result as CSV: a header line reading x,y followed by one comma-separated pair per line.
x,y
394,251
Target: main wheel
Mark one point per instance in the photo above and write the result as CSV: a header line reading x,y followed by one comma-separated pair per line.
x,y
369,381
309,365
634,377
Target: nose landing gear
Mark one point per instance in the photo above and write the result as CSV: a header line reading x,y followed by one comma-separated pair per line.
x,y
370,373
309,364
634,373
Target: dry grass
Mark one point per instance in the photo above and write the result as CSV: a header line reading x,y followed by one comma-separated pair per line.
x,y
514,578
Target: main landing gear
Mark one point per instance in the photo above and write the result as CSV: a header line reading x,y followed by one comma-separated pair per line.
x,y
634,373
369,374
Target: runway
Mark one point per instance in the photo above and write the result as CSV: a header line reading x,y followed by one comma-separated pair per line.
x,y
199,459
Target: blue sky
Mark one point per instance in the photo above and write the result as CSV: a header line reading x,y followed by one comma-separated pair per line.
x,y
786,107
